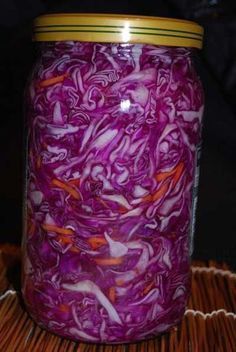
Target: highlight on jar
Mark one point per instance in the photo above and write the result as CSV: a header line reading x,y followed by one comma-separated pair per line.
x,y
114,116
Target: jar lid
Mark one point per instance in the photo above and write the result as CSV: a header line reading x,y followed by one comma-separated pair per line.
x,y
118,29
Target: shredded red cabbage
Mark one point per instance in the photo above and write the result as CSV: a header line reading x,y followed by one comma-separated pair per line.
x,y
113,131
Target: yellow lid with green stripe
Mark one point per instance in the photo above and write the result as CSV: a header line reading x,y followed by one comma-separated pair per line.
x,y
108,28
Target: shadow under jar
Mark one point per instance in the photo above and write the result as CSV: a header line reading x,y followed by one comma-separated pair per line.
x,y
114,109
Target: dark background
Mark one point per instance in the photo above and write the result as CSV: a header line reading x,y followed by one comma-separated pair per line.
x,y
215,236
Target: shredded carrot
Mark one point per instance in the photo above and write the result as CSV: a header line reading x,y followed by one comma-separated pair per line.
x,y
102,202
178,173
65,239
109,261
148,288
161,191
74,249
120,282
123,209
38,162
158,194
75,182
64,308
164,175
54,228
66,187
96,242
51,81
147,198
112,294
171,235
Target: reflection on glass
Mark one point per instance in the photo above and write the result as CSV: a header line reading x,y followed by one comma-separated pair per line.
x,y
125,33
125,105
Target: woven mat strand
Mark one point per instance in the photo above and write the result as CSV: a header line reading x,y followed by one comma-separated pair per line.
x,y
209,324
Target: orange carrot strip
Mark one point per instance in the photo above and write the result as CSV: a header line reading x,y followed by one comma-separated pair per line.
x,y
158,194
102,202
63,185
74,249
64,308
75,182
51,81
38,162
161,191
120,282
109,261
163,175
148,288
147,198
112,294
178,173
54,228
64,239
96,242
122,210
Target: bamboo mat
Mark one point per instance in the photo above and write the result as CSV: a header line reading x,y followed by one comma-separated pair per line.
x,y
209,323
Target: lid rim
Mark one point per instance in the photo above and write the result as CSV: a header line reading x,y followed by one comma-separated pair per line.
x,y
118,16
125,29
106,26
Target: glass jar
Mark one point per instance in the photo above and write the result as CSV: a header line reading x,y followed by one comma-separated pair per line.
x,y
114,130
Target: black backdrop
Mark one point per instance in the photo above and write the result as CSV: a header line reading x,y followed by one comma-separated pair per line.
x,y
215,236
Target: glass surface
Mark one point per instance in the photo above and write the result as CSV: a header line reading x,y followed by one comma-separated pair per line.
x,y
113,137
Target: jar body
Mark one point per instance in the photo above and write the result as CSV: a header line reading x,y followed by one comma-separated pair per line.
x,y
113,134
